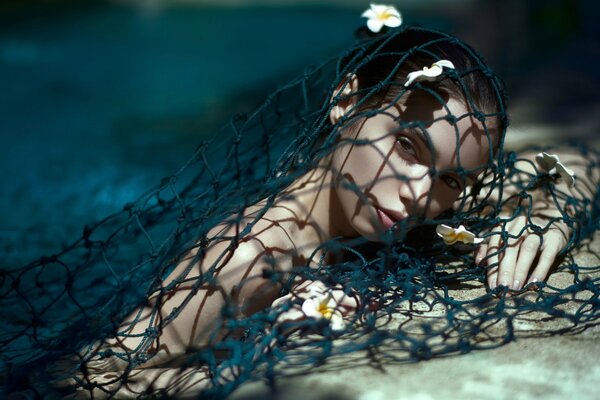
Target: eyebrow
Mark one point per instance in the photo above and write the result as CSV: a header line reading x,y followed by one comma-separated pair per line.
x,y
428,144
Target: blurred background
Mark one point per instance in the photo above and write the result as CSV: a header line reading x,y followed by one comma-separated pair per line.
x,y
101,99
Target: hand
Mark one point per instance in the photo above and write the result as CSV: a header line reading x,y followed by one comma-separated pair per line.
x,y
512,264
343,304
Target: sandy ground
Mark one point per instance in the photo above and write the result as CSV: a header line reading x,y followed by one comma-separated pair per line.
x,y
541,363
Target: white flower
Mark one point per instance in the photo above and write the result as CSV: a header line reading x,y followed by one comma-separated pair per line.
x,y
552,165
453,235
380,15
428,73
322,305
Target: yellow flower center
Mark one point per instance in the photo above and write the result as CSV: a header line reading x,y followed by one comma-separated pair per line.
x,y
325,311
385,15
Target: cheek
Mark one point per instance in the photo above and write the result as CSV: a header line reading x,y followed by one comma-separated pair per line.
x,y
366,165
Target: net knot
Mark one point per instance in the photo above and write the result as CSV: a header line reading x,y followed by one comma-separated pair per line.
x,y
478,115
106,353
536,228
308,71
368,58
204,242
451,118
200,149
151,332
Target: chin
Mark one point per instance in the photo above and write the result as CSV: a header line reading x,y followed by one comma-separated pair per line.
x,y
366,229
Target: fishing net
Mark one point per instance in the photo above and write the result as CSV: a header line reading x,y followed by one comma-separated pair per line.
x,y
202,250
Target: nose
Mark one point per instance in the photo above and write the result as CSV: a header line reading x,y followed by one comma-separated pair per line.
x,y
416,189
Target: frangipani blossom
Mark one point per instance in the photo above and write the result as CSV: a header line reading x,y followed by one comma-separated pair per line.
x,y
380,15
453,235
322,305
428,73
552,165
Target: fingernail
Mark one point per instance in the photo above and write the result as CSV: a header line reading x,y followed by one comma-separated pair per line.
x,y
516,285
504,283
531,282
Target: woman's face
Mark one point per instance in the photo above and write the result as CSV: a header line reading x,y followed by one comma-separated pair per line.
x,y
384,174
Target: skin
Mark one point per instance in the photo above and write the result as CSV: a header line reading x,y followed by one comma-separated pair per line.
x,y
392,170
376,167
528,257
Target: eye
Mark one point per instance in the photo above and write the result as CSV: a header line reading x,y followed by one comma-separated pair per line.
x,y
406,145
452,182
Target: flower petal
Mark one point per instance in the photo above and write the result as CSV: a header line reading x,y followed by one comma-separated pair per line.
x,y
369,14
442,230
315,292
337,322
566,174
462,229
380,9
444,63
393,21
450,239
432,72
466,237
310,309
374,25
452,235
546,161
411,77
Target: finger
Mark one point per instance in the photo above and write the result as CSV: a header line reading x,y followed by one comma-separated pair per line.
x,y
550,250
290,315
493,277
481,252
527,253
508,262
345,303
280,300
340,296
286,315
492,257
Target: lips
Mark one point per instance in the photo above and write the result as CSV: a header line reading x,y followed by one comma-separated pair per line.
x,y
389,218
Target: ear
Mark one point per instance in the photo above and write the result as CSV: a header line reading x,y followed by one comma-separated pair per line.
x,y
345,100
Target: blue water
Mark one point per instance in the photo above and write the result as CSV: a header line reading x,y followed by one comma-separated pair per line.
x,y
100,102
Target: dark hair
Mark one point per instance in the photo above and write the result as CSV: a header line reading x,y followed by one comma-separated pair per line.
x,y
383,62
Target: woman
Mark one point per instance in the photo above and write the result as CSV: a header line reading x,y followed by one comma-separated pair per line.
x,y
389,152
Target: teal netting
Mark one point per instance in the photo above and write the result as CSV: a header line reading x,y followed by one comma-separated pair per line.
x,y
174,294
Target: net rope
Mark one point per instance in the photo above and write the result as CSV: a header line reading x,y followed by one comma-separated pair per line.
x,y
64,331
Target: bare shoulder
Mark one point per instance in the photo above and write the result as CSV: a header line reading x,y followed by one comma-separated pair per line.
x,y
240,247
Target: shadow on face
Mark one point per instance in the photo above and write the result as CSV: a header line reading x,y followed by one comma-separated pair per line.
x,y
411,160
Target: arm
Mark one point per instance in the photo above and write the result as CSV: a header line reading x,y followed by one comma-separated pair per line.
x,y
185,312
538,222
